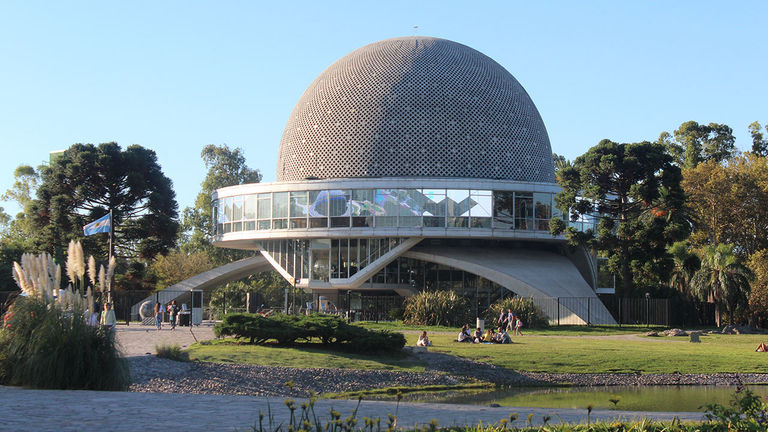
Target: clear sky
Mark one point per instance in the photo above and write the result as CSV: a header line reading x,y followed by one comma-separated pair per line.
x,y
175,76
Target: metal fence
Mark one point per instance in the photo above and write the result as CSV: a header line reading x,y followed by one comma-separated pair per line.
x,y
667,312
379,308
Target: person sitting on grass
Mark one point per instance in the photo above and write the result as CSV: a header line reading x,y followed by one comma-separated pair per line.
x,y
502,336
478,336
489,336
423,340
464,335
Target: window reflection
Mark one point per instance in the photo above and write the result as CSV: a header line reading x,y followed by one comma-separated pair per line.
x,y
429,208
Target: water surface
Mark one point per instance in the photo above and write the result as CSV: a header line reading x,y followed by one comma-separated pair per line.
x,y
629,398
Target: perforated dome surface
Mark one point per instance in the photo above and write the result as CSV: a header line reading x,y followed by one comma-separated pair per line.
x,y
415,107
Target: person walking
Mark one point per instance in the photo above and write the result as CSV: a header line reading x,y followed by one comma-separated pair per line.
x,y
158,315
511,318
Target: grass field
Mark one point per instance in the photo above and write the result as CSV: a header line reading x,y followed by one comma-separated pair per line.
x,y
570,351
585,354
303,356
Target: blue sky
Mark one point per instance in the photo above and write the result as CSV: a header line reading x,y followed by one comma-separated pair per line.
x,y
175,76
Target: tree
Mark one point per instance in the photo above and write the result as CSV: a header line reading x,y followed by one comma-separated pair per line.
x,y
229,298
634,190
729,203
17,232
695,143
226,167
560,162
758,295
177,266
86,181
723,280
759,144
686,264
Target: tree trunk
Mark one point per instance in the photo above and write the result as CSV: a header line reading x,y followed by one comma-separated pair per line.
x,y
717,314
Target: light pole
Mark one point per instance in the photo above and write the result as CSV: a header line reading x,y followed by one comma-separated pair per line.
x,y
647,310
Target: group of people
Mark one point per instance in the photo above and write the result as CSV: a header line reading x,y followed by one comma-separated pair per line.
x,y
106,319
507,322
173,314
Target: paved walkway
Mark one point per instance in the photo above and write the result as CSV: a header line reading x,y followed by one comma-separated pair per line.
x,y
48,410
139,340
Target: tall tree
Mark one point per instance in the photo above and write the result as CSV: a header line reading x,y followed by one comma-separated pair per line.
x,y
634,190
759,143
695,143
722,279
226,167
16,232
758,295
560,162
729,203
177,266
86,181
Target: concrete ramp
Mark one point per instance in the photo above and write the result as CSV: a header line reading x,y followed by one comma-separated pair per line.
x,y
543,276
208,279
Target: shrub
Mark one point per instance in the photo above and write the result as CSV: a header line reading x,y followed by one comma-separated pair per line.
x,y
47,346
171,352
396,314
530,314
436,308
287,329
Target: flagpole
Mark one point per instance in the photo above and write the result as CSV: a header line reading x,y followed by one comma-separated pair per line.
x,y
111,225
111,230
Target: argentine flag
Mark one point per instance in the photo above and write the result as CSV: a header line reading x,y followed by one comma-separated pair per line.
x,y
101,225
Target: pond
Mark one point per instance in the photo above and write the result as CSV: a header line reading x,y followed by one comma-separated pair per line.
x,y
629,398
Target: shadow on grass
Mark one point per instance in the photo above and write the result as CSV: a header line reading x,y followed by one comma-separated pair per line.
x,y
310,354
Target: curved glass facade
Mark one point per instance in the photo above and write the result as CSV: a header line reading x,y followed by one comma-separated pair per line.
x,y
423,208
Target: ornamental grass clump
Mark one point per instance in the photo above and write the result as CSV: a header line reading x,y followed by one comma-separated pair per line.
x,y
434,308
47,342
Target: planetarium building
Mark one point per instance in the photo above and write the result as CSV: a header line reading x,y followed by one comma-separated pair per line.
x,y
411,164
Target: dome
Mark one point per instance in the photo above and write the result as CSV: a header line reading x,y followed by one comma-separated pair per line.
x,y
415,107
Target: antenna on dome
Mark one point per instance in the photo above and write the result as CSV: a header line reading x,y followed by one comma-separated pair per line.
x,y
415,30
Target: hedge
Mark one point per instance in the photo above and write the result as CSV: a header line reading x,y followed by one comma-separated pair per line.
x,y
288,329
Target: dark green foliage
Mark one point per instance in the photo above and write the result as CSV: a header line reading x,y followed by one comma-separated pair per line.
x,y
635,191
46,347
171,352
86,181
531,315
396,314
695,143
436,308
328,329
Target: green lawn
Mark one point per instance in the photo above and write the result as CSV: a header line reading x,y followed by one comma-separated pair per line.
x,y
558,354
301,356
553,330
556,350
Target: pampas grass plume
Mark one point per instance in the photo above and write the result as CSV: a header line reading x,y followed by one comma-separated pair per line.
x,y
92,270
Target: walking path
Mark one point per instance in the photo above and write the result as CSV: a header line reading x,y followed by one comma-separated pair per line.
x,y
138,340
48,410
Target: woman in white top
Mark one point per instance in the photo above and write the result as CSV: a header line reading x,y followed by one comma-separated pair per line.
x,y
423,340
